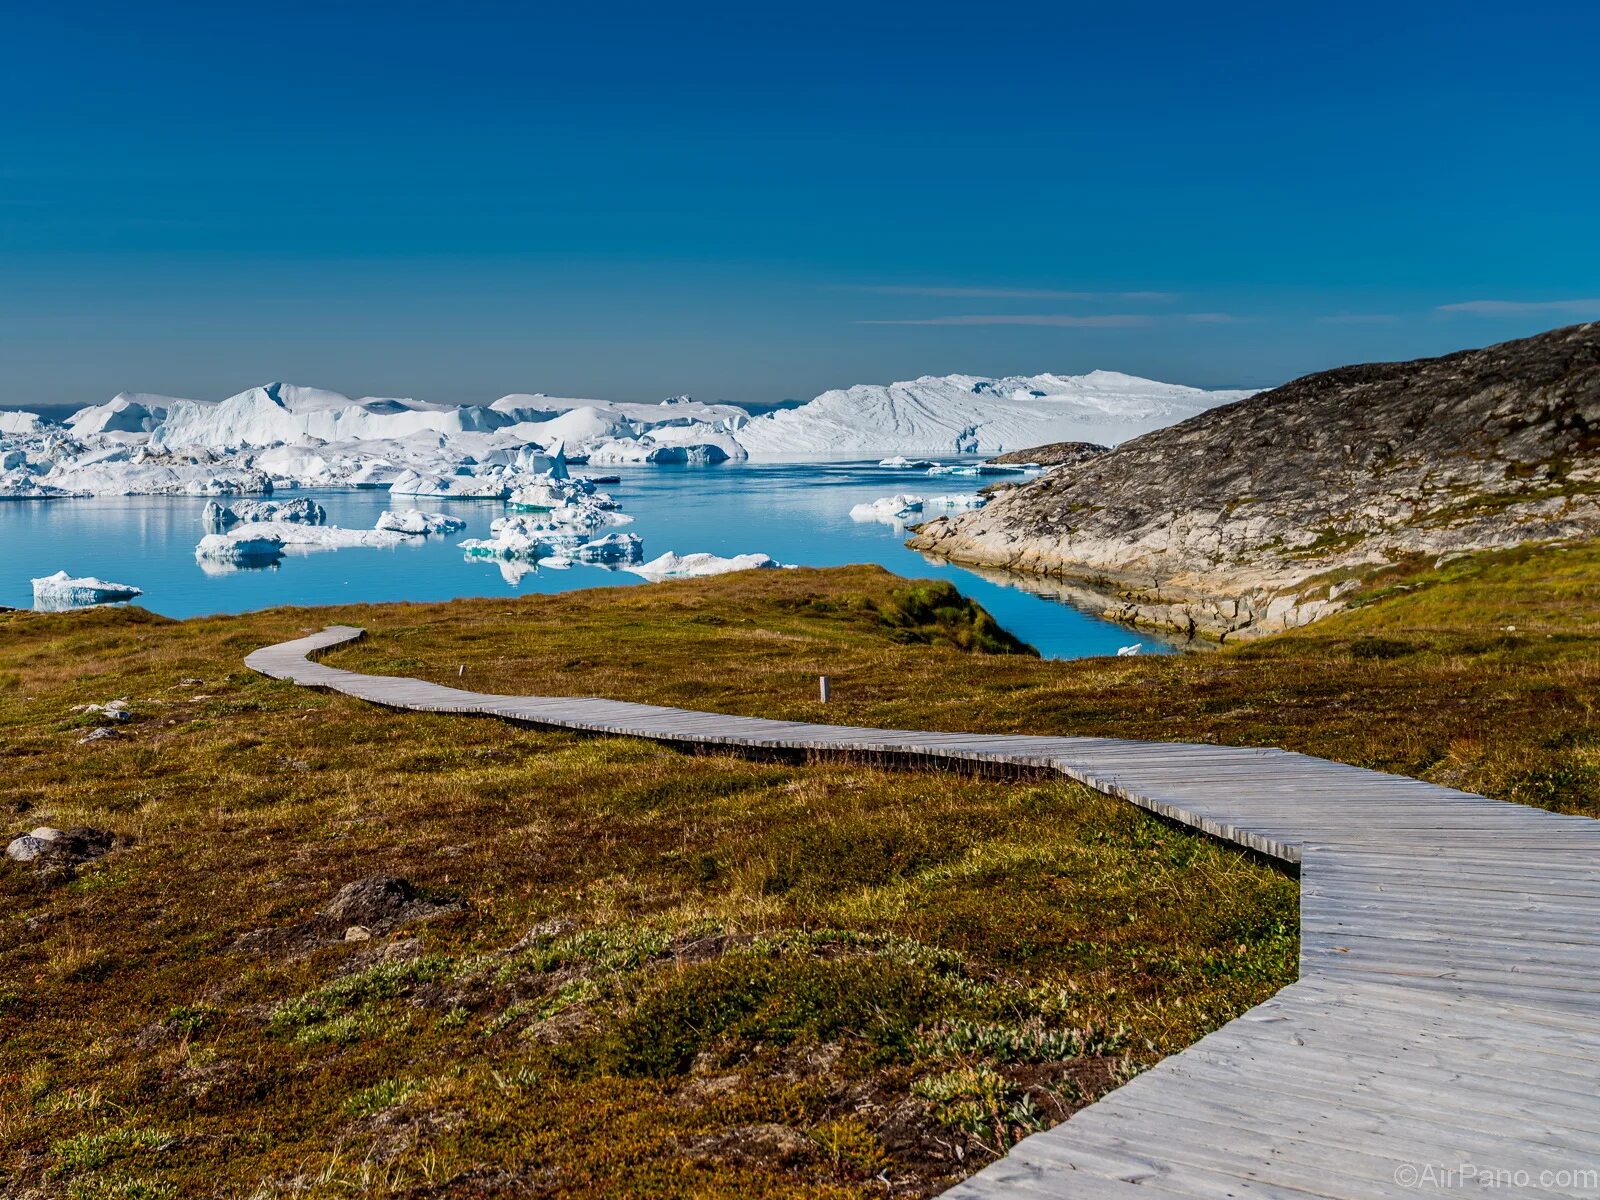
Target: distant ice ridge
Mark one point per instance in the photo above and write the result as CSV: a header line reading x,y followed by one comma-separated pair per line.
x,y
54,593
283,436
970,414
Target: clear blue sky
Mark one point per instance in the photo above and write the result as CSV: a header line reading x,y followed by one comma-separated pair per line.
x,y
752,202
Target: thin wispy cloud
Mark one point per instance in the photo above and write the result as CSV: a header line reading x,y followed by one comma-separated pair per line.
x,y
1003,293
1214,318
1496,308
1358,319
1058,320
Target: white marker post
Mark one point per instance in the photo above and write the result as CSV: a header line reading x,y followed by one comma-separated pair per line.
x,y
822,687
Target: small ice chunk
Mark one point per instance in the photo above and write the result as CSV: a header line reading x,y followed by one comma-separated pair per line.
x,y
891,510
1129,651
613,548
416,523
681,566
54,593
902,463
301,510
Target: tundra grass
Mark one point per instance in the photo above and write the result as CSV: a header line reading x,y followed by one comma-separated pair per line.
x,y
654,974
646,974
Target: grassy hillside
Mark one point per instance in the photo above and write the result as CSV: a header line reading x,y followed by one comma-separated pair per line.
x,y
615,968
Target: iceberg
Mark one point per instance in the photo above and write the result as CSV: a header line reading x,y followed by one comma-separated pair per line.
x,y
475,487
19,485
971,414
955,503
268,539
12,421
683,566
55,593
613,548
300,510
521,537
892,510
281,435
416,523
242,546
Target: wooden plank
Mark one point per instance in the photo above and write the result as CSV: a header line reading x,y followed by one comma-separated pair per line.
x,y
1450,958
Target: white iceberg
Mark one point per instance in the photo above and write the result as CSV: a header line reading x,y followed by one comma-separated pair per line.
x,y
476,487
971,414
955,502
242,546
301,510
267,539
20,485
12,421
683,566
901,463
416,523
60,591
519,536
613,548
892,510
1129,651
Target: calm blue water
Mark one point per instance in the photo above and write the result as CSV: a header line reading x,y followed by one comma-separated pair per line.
x,y
798,513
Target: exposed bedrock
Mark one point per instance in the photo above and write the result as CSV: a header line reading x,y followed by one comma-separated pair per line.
x,y
1266,514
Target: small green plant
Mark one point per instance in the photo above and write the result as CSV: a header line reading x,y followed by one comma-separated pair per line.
x,y
380,1097
982,1103
1031,1042
91,1151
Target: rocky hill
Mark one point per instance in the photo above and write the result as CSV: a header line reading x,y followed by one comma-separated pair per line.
x,y
1056,454
1264,514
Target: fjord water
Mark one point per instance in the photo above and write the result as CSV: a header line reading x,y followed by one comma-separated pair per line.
x,y
796,512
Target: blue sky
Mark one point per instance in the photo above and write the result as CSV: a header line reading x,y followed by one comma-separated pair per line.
x,y
756,202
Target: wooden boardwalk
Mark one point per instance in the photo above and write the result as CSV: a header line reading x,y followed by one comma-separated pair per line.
x,y
1443,1037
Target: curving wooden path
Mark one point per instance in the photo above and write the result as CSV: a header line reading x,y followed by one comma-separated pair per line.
x,y
1443,1037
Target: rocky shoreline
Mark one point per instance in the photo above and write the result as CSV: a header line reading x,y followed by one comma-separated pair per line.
x,y
1269,513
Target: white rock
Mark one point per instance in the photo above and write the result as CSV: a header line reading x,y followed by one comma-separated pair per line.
x,y
62,591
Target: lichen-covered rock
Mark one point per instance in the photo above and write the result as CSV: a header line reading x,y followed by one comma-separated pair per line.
x,y
1231,523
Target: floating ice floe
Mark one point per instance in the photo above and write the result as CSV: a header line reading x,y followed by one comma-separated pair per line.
x,y
902,463
955,502
54,593
241,547
1129,651
682,566
891,510
613,548
268,539
416,523
519,536
301,510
